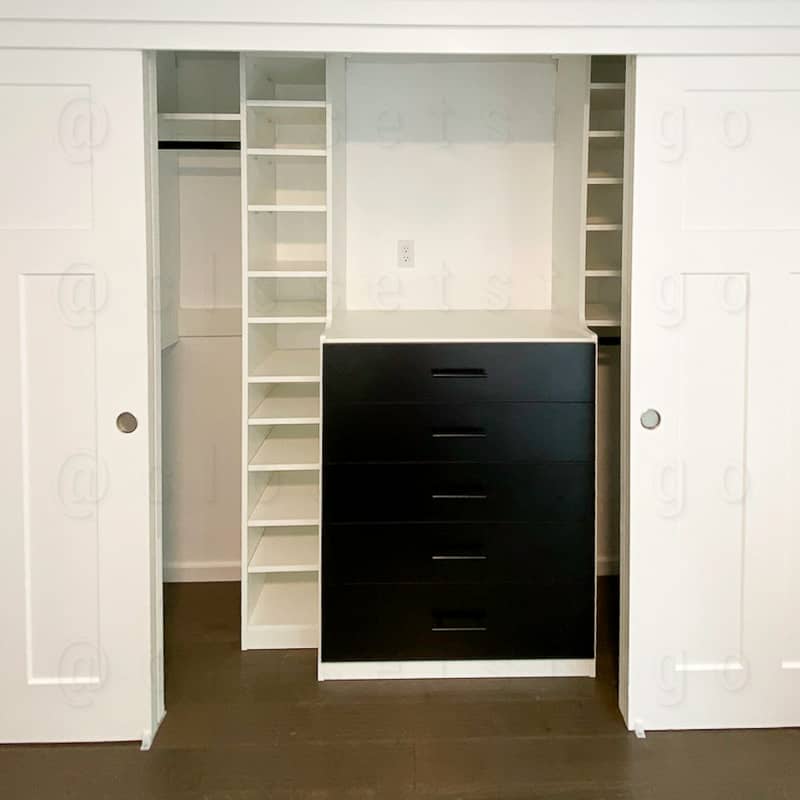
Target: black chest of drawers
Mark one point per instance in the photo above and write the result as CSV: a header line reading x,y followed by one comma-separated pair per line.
x,y
458,501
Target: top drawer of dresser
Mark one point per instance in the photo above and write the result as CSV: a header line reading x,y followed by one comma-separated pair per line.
x,y
460,371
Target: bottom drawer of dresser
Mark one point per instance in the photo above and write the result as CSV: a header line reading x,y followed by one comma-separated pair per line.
x,y
399,622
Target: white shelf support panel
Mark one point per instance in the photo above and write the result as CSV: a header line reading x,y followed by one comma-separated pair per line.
x,y
604,229
287,404
284,452
286,103
286,505
289,550
285,158
286,208
286,366
288,152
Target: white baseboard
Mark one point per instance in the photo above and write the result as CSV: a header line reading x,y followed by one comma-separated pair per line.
x,y
607,565
202,571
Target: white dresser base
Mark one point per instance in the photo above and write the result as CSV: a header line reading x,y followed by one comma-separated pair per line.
x,y
391,670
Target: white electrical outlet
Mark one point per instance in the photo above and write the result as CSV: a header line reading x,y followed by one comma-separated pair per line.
x,y
405,253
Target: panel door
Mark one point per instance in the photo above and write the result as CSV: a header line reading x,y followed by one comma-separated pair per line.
x,y
714,558
74,545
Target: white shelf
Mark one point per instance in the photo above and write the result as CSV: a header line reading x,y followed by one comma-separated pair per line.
x,y
288,366
285,552
282,208
199,117
599,315
285,613
291,269
285,407
288,152
603,273
291,312
600,177
601,86
606,134
285,504
286,104
603,226
284,451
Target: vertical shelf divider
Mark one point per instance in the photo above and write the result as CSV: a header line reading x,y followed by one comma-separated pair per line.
x,y
246,550
605,223
286,122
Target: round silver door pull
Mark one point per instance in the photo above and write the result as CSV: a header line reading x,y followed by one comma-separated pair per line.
x,y
650,419
127,422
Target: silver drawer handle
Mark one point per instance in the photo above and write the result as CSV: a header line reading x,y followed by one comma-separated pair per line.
x,y
459,433
459,558
449,630
448,372
459,496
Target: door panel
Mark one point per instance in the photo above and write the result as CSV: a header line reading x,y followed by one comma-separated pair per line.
x,y
59,526
716,230
75,544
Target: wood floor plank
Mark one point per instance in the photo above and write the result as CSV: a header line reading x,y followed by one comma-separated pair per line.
x,y
259,726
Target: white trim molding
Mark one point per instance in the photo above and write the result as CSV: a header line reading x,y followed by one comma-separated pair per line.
x,y
461,13
410,26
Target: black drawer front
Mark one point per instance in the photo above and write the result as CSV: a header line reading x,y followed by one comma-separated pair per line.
x,y
524,432
457,553
458,492
457,621
463,372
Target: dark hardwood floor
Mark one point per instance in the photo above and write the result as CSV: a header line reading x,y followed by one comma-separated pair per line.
x,y
246,726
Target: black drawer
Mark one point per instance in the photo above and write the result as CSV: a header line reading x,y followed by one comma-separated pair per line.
x,y
491,552
526,432
458,621
463,372
461,492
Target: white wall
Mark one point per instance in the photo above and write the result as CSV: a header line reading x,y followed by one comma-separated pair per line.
x,y
456,155
202,434
202,373
608,454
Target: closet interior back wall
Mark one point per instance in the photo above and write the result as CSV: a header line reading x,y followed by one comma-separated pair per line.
x,y
200,232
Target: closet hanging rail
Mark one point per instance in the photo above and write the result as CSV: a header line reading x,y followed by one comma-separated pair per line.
x,y
198,144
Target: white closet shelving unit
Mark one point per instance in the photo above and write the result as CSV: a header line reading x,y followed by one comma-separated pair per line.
x,y
286,145
604,172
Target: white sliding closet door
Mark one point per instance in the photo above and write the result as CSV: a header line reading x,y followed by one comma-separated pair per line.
x,y
74,543
714,557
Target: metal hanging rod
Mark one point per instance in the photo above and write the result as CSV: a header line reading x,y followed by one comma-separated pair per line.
x,y
197,144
